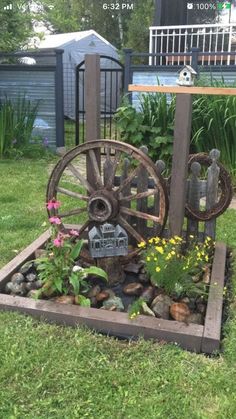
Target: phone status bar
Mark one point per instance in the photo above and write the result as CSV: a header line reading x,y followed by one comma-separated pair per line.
x,y
208,6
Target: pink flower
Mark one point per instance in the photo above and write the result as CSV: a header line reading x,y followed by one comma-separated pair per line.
x,y
74,233
55,220
53,204
58,242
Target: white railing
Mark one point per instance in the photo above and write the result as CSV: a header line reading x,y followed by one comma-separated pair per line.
x,y
218,38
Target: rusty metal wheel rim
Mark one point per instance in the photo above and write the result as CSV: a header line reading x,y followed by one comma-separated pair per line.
x,y
226,191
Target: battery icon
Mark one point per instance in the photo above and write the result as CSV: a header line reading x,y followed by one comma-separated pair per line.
x,y
223,6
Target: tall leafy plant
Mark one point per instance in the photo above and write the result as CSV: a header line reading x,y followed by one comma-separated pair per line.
x,y
16,123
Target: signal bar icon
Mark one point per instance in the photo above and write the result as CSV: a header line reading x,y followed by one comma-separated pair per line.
x,y
8,7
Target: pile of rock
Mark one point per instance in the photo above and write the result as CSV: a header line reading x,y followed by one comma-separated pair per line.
x,y
25,282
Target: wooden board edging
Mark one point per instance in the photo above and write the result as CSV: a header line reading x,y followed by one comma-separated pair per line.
x,y
115,323
212,329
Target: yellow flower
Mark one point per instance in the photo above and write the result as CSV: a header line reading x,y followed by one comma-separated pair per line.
x,y
157,239
151,240
155,259
177,238
172,241
158,269
159,249
206,258
142,244
191,236
199,255
148,259
172,252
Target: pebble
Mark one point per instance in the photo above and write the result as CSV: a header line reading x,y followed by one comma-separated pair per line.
x,y
36,285
94,291
180,312
196,318
146,310
65,299
134,288
32,294
143,277
39,253
17,278
8,287
31,278
113,302
103,295
19,289
161,306
26,267
148,294
133,268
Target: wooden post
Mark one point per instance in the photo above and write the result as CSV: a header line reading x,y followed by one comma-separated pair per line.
x,y
182,131
92,106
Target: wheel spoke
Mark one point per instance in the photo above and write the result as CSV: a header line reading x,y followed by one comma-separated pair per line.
x,y
72,194
96,171
130,229
139,195
81,178
72,212
129,179
140,214
113,167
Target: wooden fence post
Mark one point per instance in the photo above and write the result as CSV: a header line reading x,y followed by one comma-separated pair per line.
x,y
92,106
182,131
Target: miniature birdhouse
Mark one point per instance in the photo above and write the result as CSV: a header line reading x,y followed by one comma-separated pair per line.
x,y
108,240
187,76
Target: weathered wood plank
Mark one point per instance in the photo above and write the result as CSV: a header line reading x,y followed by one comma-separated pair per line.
x,y
194,197
92,108
182,131
212,191
192,90
142,186
212,328
114,323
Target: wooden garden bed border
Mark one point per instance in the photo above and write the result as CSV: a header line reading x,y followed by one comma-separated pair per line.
x,y
193,337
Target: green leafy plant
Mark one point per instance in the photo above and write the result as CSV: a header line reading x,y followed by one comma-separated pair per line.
x,y
57,268
16,125
152,125
135,308
172,265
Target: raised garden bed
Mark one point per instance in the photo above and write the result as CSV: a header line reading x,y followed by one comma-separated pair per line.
x,y
195,337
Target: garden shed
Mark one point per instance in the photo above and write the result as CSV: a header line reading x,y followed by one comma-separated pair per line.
x,y
75,46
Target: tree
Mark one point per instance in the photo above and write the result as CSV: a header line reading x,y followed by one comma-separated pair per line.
x,y
138,27
16,23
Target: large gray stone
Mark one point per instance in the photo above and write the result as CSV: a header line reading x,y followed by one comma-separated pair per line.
x,y
161,306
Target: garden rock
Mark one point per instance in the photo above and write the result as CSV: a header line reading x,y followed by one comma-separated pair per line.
x,y
132,268
114,303
31,278
17,278
207,275
148,294
32,294
161,306
94,291
103,295
19,289
196,318
180,312
201,308
26,268
143,277
65,299
8,287
134,288
39,253
34,285
146,310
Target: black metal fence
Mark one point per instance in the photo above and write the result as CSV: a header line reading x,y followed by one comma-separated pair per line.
x,y
112,85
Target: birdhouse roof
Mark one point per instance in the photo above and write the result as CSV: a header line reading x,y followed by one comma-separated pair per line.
x,y
189,68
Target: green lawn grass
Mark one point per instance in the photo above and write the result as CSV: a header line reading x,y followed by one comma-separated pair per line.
x,y
49,371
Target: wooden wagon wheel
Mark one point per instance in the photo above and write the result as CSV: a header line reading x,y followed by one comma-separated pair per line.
x,y
225,186
101,197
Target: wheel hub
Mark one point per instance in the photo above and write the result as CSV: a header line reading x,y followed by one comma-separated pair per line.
x,y
102,206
